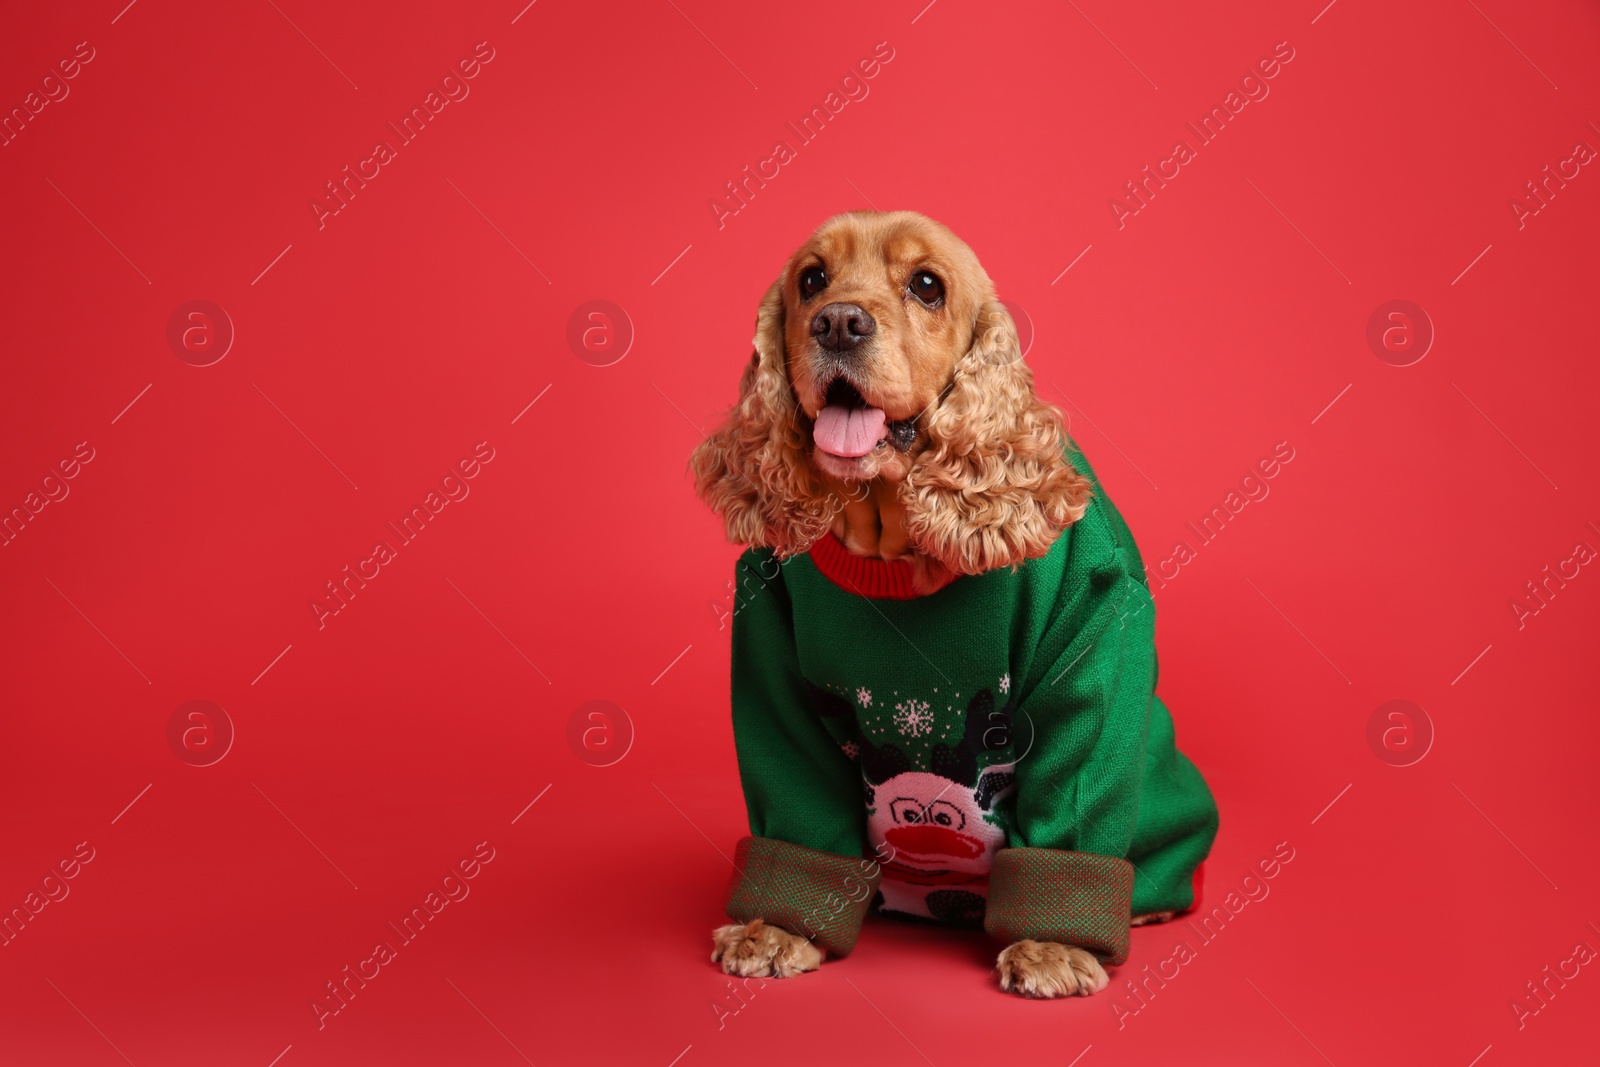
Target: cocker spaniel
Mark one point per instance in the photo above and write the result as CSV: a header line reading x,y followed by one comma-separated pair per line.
x,y
943,641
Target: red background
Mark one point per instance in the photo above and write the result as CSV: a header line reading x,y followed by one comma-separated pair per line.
x,y
376,351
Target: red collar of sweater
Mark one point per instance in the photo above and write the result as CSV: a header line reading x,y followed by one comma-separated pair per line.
x,y
879,579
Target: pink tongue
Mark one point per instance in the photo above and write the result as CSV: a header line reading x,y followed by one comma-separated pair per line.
x,y
848,432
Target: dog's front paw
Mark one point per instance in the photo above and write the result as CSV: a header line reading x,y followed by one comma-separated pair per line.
x,y
757,950
1045,969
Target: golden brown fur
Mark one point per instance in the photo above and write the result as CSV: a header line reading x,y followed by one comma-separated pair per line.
x,y
984,483
1044,969
756,950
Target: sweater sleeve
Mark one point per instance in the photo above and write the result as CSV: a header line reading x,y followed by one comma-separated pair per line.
x,y
1065,876
802,868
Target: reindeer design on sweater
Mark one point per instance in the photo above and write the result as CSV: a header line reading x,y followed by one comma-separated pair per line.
x,y
936,828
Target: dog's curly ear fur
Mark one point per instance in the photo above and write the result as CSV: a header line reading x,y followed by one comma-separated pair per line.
x,y
993,487
753,471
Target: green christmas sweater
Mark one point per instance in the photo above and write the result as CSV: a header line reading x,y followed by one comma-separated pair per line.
x,y
992,753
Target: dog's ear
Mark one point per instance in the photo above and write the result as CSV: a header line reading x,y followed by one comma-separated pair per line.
x,y
753,471
993,486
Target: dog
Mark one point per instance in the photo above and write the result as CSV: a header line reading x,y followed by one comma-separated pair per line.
x,y
943,656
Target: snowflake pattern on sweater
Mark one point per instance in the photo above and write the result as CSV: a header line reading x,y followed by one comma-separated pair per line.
x,y
912,717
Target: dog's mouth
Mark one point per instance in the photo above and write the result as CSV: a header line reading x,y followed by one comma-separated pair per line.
x,y
849,427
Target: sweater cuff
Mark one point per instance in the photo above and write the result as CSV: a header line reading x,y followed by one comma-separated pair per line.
x,y
818,895
1073,898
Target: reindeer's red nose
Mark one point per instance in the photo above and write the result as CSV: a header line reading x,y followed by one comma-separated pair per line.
x,y
934,841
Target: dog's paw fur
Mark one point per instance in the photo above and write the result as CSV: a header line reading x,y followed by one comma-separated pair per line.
x,y
1044,969
757,950
1153,917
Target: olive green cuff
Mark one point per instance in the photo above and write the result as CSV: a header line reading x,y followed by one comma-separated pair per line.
x,y
818,895
1073,898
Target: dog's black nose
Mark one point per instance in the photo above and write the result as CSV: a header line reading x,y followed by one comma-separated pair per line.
x,y
841,327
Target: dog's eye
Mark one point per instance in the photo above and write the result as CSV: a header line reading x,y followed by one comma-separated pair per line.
x,y
812,281
926,288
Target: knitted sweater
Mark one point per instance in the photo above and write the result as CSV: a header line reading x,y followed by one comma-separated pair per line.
x,y
992,753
